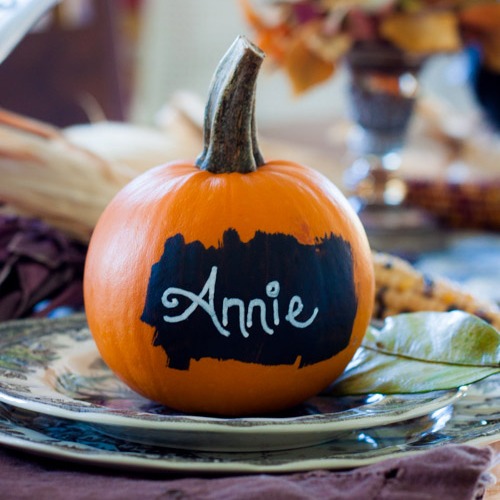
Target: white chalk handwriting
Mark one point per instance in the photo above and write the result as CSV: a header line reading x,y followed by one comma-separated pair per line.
x,y
205,300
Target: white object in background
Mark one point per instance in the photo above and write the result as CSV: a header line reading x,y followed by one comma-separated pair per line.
x,y
16,19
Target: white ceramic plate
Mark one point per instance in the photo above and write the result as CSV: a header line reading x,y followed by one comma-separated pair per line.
x,y
53,368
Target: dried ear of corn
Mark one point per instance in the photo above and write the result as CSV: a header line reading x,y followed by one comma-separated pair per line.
x,y
402,288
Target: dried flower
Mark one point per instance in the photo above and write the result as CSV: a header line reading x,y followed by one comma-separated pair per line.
x,y
40,268
307,38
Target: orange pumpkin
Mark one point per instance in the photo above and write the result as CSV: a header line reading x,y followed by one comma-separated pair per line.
x,y
230,286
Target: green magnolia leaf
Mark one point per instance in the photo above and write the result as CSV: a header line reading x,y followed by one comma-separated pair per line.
x,y
446,337
420,352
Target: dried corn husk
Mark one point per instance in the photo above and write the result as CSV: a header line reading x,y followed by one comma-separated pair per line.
x,y
67,177
46,176
135,148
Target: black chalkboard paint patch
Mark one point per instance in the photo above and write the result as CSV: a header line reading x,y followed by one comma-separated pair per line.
x,y
271,300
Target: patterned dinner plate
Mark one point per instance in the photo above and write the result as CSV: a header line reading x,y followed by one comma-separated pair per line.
x,y
473,419
52,368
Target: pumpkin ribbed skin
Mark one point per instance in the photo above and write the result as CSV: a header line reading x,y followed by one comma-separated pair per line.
x,y
180,199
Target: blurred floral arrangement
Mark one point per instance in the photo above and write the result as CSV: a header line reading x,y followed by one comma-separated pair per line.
x,y
308,38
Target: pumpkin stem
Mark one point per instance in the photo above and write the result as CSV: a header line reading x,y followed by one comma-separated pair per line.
x,y
230,138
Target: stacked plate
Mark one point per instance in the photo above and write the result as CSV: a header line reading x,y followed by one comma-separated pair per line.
x,y
57,398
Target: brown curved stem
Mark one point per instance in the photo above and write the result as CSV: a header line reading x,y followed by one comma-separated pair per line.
x,y
230,138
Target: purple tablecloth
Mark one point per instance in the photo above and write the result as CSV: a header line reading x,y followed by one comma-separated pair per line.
x,y
447,473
